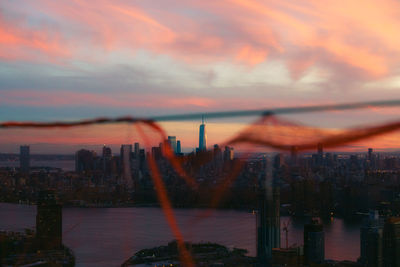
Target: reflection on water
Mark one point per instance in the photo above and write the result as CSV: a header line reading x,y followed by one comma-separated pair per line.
x,y
108,236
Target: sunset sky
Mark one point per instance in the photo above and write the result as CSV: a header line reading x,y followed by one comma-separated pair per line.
x,y
72,59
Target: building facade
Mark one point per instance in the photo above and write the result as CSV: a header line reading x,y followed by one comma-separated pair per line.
x,y
48,221
24,158
314,243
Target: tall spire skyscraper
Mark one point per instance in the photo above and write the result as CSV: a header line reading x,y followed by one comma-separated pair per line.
x,y
202,136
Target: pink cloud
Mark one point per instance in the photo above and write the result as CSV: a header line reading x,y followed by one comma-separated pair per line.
x,y
60,98
19,42
359,36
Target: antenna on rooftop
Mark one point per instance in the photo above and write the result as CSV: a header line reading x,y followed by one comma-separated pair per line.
x,y
202,119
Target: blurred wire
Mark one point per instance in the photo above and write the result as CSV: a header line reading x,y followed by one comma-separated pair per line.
x,y
209,115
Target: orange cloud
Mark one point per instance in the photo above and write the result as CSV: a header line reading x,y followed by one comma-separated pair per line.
x,y
357,36
250,55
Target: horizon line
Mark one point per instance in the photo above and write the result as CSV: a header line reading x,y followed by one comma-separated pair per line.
x,y
199,115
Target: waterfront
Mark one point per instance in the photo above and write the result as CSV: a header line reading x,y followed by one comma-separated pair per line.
x,y
65,165
109,236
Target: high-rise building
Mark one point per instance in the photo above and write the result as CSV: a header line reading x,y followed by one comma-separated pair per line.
x,y
136,150
229,153
142,158
84,160
314,243
125,157
48,221
391,242
320,149
106,160
218,156
202,136
178,147
268,217
172,143
294,155
279,161
320,155
24,158
276,217
371,238
370,150
156,152
107,153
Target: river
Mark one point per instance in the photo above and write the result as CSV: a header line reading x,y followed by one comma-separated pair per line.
x,y
108,236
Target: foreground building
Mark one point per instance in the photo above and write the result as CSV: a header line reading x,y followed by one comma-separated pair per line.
x,y
314,243
391,243
268,217
48,221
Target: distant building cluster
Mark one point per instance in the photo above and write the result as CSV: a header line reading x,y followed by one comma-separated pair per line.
x,y
312,185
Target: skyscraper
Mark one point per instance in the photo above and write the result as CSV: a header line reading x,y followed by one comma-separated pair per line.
x,y
391,242
202,136
178,147
228,154
137,150
371,237
294,155
314,243
84,160
320,155
268,220
48,221
172,143
156,152
24,158
107,153
370,150
320,149
126,152
106,159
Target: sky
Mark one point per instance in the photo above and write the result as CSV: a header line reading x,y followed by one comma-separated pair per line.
x,y
73,59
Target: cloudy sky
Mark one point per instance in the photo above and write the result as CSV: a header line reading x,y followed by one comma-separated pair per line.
x,y
72,59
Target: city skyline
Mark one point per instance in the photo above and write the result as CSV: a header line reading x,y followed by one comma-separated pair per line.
x,y
237,133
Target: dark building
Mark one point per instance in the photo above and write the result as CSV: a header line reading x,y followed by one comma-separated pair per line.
x,y
314,243
107,153
178,147
370,150
320,149
202,136
84,161
126,158
320,155
268,217
156,152
136,150
294,160
391,243
24,158
48,221
172,143
142,157
279,161
228,153
106,160
371,235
